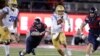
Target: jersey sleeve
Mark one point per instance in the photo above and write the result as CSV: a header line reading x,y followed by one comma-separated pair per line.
x,y
66,18
5,10
17,11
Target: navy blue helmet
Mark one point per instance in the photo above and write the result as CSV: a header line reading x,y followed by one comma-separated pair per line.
x,y
37,21
93,10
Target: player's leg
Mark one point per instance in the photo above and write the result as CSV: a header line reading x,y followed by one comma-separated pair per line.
x,y
89,49
89,46
13,36
7,47
93,44
36,41
17,37
56,44
62,39
4,39
28,49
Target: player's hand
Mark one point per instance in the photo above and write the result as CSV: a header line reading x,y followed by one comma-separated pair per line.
x,y
98,38
42,33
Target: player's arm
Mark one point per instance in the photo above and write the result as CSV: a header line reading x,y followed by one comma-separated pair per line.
x,y
45,31
15,22
68,22
2,15
67,18
35,33
82,26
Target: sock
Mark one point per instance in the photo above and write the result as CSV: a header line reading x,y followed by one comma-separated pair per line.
x,y
68,52
22,53
87,55
7,51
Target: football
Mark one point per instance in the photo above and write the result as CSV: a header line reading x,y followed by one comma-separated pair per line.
x,y
59,21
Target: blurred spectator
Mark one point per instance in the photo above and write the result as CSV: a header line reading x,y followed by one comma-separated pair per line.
x,y
78,38
40,4
68,0
2,3
87,0
53,3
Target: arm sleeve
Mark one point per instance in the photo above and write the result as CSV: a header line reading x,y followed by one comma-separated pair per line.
x,y
34,32
5,10
17,12
67,18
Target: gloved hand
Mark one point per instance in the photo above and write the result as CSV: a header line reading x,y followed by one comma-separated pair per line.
x,y
98,38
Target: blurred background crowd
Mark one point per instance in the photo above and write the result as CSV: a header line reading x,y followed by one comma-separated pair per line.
x,y
72,6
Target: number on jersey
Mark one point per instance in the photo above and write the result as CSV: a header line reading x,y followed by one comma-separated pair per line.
x,y
12,18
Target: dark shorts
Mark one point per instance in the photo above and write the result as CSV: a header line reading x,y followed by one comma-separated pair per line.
x,y
31,43
92,38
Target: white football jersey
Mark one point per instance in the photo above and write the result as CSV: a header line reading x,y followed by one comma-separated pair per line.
x,y
11,16
58,28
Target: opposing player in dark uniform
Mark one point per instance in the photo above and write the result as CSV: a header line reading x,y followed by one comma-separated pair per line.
x,y
94,24
36,34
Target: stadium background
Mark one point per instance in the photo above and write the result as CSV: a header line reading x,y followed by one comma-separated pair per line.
x,y
30,9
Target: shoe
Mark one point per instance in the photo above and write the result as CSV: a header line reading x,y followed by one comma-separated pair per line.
x,y
33,52
87,55
65,55
8,55
20,54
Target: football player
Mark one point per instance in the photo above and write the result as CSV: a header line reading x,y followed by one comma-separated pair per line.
x,y
94,24
35,36
8,19
58,36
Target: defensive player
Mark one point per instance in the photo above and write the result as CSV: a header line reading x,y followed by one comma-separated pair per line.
x,y
58,36
94,24
35,36
8,18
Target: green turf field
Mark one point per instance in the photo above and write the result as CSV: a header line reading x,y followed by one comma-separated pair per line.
x,y
45,52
